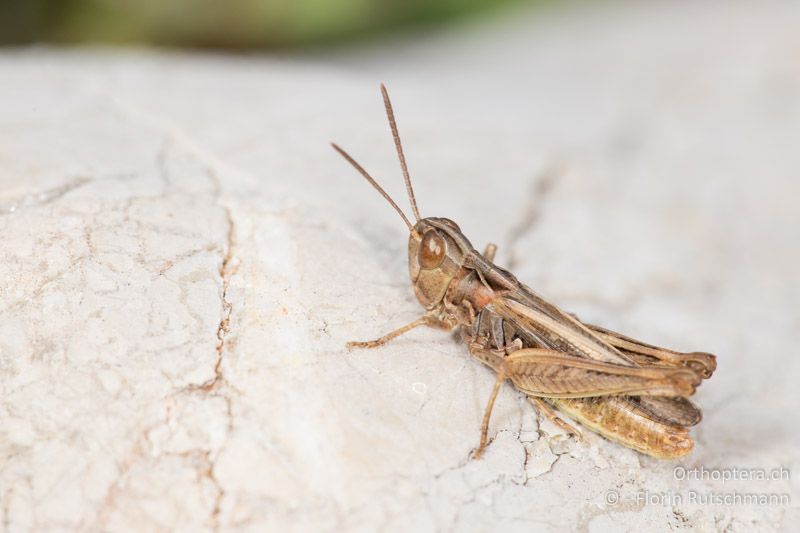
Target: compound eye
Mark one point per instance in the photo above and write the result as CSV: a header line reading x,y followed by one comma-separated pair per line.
x,y
431,250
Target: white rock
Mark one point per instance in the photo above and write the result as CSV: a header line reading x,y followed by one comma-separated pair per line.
x,y
183,257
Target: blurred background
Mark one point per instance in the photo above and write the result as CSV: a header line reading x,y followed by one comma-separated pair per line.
x,y
233,24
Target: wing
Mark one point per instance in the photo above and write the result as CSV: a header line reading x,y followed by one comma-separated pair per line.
x,y
675,411
555,329
648,355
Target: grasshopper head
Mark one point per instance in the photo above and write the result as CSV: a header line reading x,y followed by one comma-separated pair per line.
x,y
436,249
436,246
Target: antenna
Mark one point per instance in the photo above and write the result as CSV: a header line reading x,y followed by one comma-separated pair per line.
x,y
374,183
393,124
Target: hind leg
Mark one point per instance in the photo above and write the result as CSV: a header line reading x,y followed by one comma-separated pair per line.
x,y
544,408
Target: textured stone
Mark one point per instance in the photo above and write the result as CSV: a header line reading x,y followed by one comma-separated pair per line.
x,y
183,257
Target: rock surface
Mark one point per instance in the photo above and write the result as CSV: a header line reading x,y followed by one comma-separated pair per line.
x,y
183,257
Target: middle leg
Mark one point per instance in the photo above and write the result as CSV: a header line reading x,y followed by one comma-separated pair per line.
x,y
544,408
489,252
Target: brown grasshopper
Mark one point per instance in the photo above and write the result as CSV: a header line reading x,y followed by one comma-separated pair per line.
x,y
628,391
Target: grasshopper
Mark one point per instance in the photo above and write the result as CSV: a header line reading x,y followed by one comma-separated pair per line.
x,y
628,391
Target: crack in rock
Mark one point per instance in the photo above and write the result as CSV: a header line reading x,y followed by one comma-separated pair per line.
x,y
542,187
42,197
215,385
